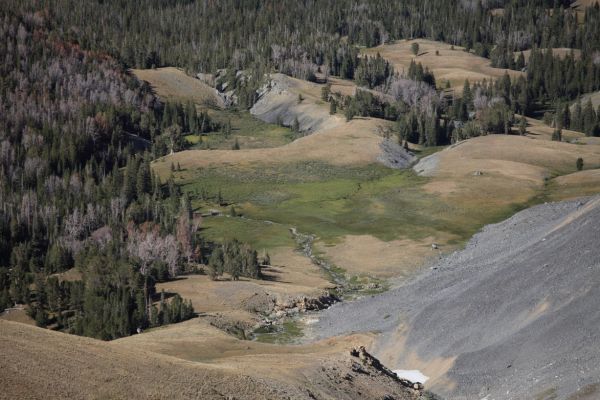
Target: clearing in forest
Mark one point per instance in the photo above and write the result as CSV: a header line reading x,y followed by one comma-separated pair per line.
x,y
173,84
448,64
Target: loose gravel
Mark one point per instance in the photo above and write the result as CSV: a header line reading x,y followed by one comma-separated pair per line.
x,y
519,308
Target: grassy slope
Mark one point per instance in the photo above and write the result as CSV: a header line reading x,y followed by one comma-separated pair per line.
x,y
250,132
454,66
191,360
329,201
328,184
175,85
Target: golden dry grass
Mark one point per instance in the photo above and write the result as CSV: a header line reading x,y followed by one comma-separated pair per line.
x,y
18,314
291,275
173,84
356,143
196,340
577,184
166,363
538,130
454,66
40,364
513,168
368,255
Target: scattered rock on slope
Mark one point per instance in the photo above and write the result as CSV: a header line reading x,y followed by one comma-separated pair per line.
x,y
278,103
511,316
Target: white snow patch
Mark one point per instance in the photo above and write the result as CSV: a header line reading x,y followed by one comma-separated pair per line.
x,y
413,375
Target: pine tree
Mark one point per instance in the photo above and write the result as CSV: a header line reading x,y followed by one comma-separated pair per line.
x,y
415,48
557,135
325,90
520,62
467,96
577,120
349,112
589,118
143,180
332,107
523,126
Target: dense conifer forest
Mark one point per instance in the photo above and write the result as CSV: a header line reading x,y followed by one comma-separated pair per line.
x,y
78,132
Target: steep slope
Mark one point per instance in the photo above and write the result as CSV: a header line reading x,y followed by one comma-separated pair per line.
x,y
39,364
512,316
173,84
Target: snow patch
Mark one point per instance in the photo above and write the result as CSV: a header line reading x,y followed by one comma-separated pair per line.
x,y
413,375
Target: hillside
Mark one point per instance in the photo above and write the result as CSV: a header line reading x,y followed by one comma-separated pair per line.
x,y
595,97
254,199
175,85
448,64
38,363
513,315
499,169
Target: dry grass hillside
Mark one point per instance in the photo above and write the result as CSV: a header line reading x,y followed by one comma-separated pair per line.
x,y
497,170
539,130
173,84
241,305
357,142
39,364
454,66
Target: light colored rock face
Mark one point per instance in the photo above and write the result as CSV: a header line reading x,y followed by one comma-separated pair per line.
x,y
427,166
395,156
279,103
515,312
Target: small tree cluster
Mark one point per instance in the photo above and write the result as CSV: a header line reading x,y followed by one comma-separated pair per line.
x,y
234,258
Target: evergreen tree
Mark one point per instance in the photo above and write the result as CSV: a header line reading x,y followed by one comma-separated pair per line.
x,y
415,48
557,135
522,126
